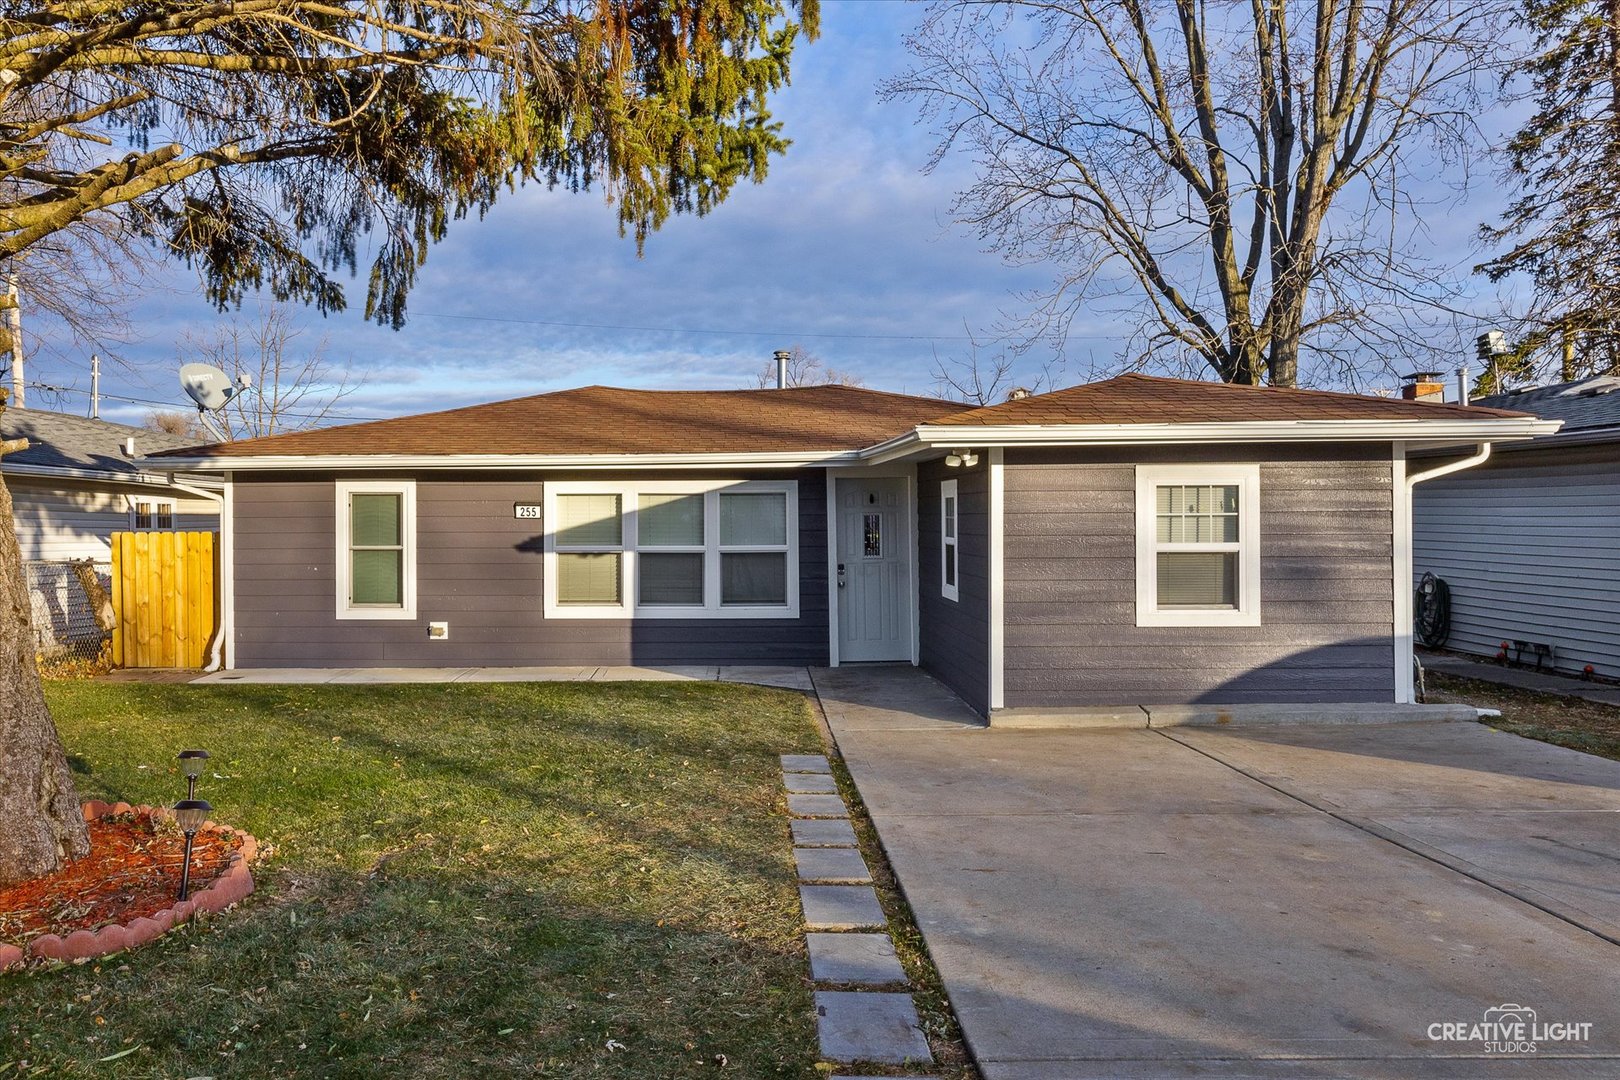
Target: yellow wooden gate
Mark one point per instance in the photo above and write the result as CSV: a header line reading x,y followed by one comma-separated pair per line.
x,y
163,598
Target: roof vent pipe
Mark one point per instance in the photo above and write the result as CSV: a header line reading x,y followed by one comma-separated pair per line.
x,y
782,358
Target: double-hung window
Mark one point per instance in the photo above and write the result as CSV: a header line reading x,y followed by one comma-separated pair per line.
x,y
148,514
376,549
1198,545
948,563
671,549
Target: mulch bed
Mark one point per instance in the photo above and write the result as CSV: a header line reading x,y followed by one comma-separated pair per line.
x,y
132,871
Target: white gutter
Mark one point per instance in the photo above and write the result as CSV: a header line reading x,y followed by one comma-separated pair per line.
x,y
502,462
140,479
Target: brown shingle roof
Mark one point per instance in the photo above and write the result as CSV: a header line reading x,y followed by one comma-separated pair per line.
x,y
610,420
1148,399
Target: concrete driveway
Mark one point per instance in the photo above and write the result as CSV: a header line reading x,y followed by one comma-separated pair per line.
x,y
1284,902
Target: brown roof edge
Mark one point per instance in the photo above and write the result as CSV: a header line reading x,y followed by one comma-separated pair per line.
x,y
1127,394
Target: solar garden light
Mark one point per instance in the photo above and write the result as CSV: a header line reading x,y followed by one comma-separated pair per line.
x,y
190,814
192,763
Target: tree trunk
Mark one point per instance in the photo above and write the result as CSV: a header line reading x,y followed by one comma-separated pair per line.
x,y
96,594
41,826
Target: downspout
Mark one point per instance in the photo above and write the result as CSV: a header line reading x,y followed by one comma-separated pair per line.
x,y
1481,453
1404,572
216,649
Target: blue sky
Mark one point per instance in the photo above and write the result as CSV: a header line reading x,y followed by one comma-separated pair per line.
x,y
846,249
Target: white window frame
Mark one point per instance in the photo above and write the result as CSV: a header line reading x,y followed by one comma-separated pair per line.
x,y
1149,478
157,502
950,539
406,489
629,492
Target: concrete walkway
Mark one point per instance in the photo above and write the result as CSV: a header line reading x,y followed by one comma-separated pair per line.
x,y
1282,902
1543,682
790,678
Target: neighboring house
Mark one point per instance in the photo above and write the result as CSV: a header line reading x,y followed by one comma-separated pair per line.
x,y
1529,542
1134,541
76,485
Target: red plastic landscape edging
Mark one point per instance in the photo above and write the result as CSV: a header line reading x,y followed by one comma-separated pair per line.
x,y
229,888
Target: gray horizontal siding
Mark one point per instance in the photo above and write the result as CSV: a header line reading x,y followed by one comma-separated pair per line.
x,y
479,569
955,634
1530,545
1326,584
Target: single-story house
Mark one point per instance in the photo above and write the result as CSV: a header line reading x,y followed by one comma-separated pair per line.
x,y
79,482
1134,541
1528,542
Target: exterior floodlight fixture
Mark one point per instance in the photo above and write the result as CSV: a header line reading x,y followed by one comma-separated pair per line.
x,y
190,814
192,763
961,456
953,460
969,458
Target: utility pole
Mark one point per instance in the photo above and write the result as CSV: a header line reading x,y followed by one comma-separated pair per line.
x,y
95,387
19,380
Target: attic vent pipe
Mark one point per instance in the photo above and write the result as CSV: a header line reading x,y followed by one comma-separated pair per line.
x,y
782,358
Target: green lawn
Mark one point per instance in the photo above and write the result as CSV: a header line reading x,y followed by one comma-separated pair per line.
x,y
465,881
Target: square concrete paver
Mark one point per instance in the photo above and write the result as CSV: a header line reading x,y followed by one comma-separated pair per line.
x,y
805,763
854,958
841,907
827,806
823,832
837,866
810,783
858,1025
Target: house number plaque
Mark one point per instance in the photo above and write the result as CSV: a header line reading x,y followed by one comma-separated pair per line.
x,y
526,510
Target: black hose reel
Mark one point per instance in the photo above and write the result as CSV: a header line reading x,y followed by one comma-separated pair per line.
x,y
1431,608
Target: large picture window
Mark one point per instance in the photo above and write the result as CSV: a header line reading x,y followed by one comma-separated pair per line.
x,y
671,549
376,550
1198,545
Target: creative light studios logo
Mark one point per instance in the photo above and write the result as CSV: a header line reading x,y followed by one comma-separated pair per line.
x,y
1511,1029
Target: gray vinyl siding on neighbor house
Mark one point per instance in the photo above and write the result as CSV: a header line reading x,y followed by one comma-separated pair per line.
x,y
479,568
74,519
955,645
1529,544
1327,603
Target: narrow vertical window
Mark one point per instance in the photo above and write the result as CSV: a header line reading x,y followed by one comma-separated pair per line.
x,y
948,557
376,571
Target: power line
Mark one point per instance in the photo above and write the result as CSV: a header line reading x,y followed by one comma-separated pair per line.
x,y
171,405
787,334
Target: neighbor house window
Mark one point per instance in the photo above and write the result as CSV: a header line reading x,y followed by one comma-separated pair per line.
x,y
1197,545
948,560
376,549
146,514
671,549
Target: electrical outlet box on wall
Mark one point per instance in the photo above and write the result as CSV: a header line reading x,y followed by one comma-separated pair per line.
x,y
438,631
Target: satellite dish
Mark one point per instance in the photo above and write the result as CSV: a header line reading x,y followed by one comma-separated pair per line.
x,y
208,386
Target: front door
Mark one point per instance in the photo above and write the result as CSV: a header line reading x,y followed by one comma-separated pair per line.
x,y
874,562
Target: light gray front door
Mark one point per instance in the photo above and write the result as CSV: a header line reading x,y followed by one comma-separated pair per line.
x,y
874,564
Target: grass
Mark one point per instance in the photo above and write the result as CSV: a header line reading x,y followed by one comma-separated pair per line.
x,y
1579,724
463,881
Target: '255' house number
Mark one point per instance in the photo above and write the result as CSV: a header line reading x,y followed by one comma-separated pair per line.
x,y
526,510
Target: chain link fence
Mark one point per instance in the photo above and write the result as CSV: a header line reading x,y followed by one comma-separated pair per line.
x,y
66,635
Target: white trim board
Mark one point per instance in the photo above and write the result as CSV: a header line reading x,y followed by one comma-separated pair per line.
x,y
997,636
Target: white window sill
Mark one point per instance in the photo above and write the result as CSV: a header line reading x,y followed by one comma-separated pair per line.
x,y
1194,617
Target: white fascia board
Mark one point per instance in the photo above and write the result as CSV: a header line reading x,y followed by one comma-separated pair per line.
x,y
497,462
141,479
1225,432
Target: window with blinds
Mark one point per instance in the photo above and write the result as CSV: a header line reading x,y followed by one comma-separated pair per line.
x,y
666,549
1198,545
376,550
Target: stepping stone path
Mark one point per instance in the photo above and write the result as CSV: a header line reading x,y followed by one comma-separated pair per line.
x,y
849,944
